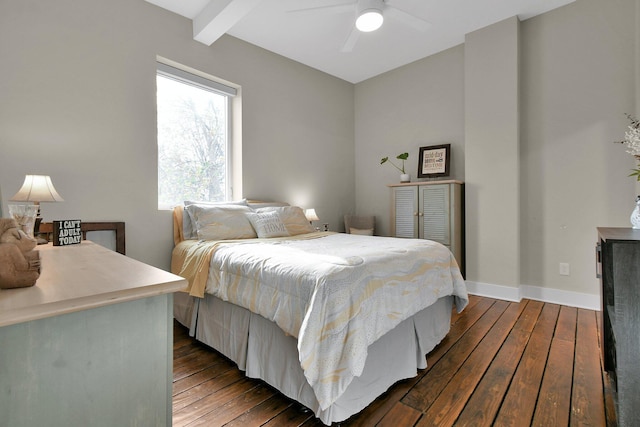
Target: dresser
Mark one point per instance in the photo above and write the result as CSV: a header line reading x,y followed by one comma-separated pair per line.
x,y
432,210
618,267
90,344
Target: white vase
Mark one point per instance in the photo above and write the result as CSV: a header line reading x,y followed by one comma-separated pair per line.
x,y
635,215
405,177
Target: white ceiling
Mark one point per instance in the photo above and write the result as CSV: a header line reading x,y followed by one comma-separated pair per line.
x,y
316,37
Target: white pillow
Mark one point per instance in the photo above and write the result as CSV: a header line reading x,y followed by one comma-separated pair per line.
x,y
188,223
221,222
361,231
267,224
292,217
257,205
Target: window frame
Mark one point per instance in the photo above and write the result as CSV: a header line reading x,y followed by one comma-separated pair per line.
x,y
214,85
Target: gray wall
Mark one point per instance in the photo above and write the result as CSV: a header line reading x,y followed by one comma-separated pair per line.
x,y
492,151
578,80
577,77
400,111
78,103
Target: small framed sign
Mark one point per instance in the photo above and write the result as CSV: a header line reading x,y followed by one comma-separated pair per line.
x,y
434,161
67,232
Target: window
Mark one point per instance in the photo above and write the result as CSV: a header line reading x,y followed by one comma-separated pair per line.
x,y
194,141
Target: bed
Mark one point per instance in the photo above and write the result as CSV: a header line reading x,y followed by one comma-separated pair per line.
x,y
331,320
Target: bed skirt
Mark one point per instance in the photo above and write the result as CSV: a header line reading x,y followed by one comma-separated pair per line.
x,y
263,351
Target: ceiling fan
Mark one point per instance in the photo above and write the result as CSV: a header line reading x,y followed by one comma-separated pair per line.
x,y
369,16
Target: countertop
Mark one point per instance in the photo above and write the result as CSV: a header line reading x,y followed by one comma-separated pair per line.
x,y
80,277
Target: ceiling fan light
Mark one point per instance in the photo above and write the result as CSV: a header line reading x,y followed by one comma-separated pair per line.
x,y
369,20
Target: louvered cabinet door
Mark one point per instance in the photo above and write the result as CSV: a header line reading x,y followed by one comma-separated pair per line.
x,y
434,218
405,212
430,210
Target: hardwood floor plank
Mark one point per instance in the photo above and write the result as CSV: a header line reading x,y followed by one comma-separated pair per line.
x,y
181,340
587,399
567,322
185,350
530,316
186,353
502,363
519,404
235,407
199,360
484,403
399,415
201,407
554,399
199,377
459,328
473,300
445,409
429,387
180,336
262,413
207,388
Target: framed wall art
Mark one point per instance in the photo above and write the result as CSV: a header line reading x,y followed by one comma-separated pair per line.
x,y
434,161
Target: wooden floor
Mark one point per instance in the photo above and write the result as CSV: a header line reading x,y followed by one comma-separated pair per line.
x,y
503,364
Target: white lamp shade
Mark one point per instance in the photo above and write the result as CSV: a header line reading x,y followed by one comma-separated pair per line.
x,y
37,188
311,215
369,20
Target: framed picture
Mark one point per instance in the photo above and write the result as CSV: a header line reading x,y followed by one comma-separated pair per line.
x,y
67,232
434,161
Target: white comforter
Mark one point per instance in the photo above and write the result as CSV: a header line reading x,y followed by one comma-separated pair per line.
x,y
352,290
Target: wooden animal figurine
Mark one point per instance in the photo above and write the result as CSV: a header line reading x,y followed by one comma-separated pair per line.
x,y
19,262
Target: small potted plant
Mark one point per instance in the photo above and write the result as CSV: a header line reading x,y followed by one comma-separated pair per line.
x,y
632,143
404,177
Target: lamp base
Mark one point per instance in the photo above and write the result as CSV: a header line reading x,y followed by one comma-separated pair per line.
x,y
36,232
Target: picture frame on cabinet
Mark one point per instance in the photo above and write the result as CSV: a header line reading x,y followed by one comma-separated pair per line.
x,y
434,161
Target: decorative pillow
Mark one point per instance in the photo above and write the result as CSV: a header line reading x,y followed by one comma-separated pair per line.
x,y
361,231
292,217
188,223
221,222
267,224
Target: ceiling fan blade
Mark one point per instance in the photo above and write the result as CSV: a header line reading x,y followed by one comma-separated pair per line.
x,y
413,21
332,6
351,40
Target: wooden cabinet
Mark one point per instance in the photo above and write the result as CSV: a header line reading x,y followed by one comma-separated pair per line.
x,y
90,344
430,210
618,268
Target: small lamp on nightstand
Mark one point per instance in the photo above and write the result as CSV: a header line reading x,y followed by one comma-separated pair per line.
x,y
36,189
311,215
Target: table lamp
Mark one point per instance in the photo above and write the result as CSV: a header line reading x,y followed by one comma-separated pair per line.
x,y
36,189
311,215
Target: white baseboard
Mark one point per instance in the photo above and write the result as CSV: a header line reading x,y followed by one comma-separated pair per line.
x,y
555,296
493,291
